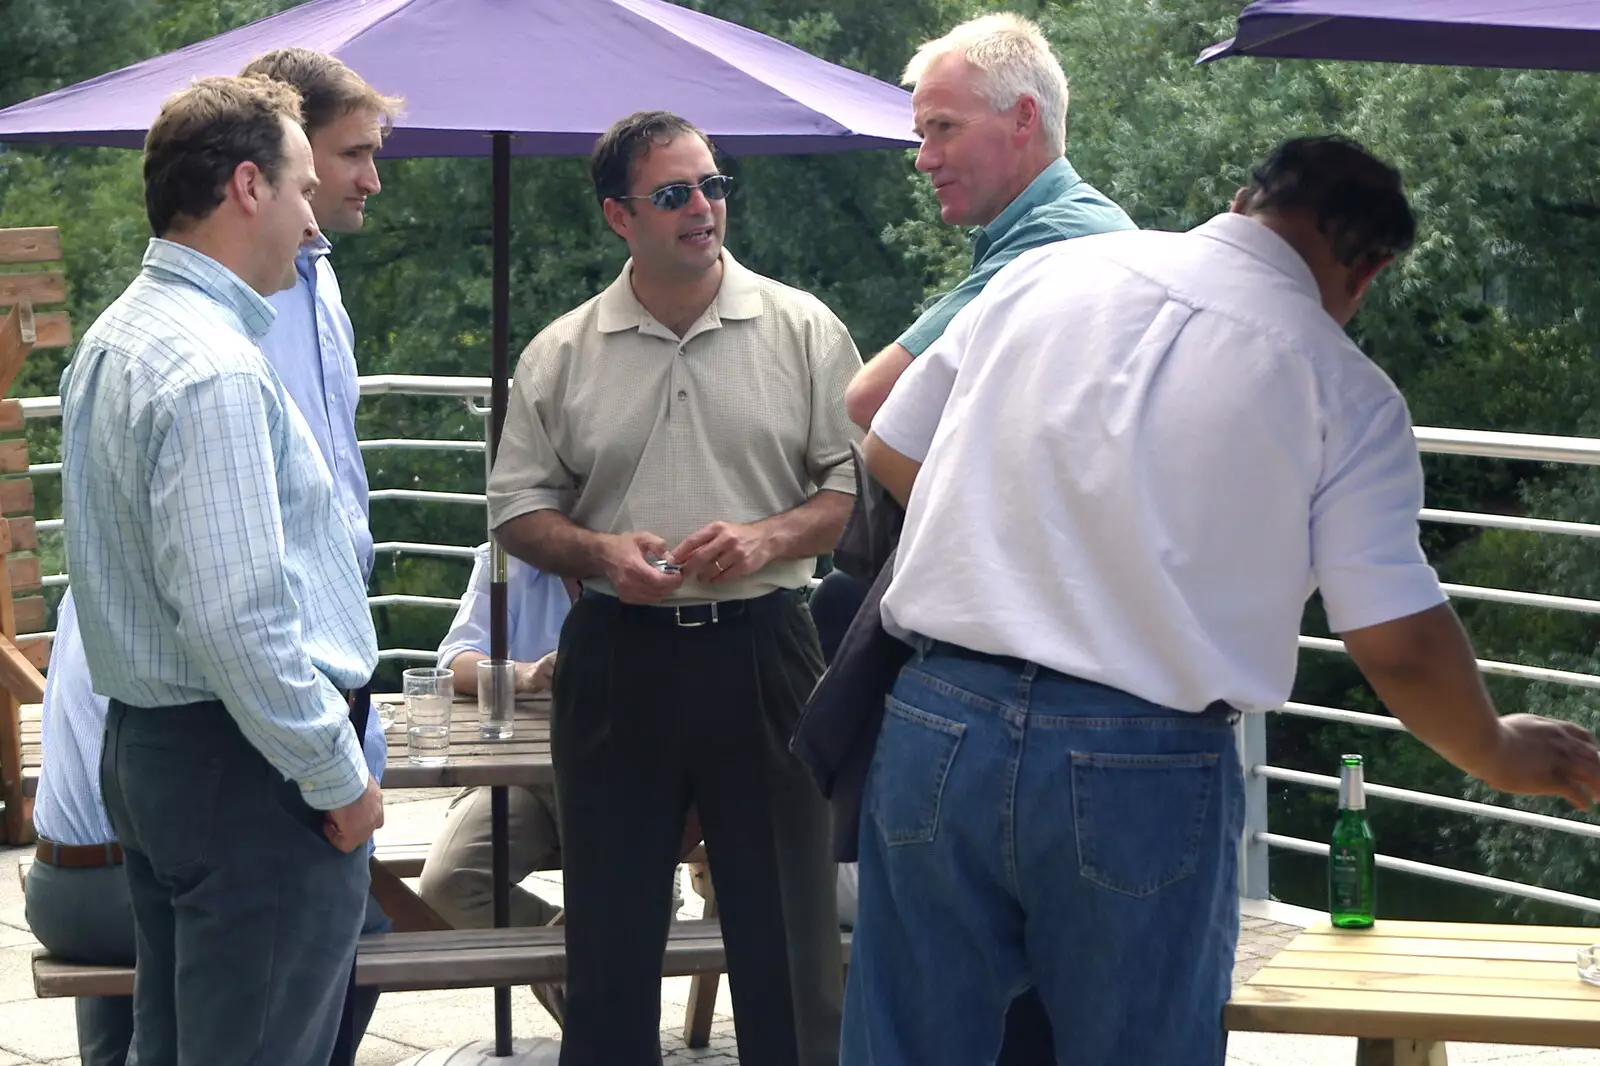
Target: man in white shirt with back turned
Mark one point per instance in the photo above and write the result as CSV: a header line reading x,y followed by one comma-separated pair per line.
x,y
1133,457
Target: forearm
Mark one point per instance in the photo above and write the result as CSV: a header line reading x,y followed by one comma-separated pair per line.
x,y
811,529
1423,669
465,669
895,472
285,708
554,543
873,383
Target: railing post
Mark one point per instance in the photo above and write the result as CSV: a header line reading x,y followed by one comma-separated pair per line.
x,y
1251,735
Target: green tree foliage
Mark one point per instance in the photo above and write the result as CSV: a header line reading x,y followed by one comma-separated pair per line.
x,y
1485,325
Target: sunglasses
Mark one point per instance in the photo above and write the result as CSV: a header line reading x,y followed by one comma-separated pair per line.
x,y
673,197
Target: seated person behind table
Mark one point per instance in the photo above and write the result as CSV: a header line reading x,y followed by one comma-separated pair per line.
x,y
456,879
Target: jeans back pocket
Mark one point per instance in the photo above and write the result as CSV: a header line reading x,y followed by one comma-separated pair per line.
x,y
1139,817
909,768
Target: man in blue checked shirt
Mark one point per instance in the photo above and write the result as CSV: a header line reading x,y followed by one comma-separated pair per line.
x,y
224,608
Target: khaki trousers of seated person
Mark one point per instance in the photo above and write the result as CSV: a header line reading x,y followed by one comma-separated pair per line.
x,y
456,877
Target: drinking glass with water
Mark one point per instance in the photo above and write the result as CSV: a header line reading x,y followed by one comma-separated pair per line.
x,y
428,692
497,693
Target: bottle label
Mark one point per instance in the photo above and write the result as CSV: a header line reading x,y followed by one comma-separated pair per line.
x,y
1345,878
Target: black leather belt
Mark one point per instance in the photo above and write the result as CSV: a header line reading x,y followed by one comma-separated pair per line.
x,y
693,615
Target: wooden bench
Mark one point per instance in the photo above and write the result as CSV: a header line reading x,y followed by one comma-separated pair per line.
x,y
1405,989
464,958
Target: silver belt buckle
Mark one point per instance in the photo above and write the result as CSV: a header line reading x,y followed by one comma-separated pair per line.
x,y
677,616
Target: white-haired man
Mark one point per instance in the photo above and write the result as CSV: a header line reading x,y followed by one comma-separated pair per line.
x,y
990,104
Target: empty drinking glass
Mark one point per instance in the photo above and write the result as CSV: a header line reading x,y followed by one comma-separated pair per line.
x,y
497,683
428,692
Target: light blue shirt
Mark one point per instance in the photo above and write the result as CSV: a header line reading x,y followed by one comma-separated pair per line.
x,y
312,346
68,808
536,606
210,556
1056,206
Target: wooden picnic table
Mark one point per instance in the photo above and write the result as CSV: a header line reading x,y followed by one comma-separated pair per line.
x,y
1407,988
522,760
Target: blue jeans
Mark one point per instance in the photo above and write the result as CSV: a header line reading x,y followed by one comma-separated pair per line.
x,y
1022,828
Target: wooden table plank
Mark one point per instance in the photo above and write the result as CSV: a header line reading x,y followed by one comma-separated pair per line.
x,y
1577,936
1322,962
524,759
1414,1016
1496,985
1427,981
1440,949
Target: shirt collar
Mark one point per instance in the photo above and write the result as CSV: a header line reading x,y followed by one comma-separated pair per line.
x,y
305,263
1052,183
1255,239
316,248
172,260
738,297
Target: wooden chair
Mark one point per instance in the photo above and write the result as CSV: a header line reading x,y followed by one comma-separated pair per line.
x,y
22,610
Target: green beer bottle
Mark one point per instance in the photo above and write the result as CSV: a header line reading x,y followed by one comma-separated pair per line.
x,y
1352,858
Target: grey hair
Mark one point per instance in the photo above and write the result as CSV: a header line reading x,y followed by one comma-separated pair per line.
x,y
1015,60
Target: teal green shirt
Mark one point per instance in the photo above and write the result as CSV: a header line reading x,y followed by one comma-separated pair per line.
x,y
1056,206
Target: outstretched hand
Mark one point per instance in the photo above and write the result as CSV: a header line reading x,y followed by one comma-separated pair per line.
x,y
1540,756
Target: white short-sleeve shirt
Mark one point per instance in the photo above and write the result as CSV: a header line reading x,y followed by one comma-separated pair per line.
x,y
1142,452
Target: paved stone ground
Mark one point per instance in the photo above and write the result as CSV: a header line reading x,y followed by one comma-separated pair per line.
x,y
37,1032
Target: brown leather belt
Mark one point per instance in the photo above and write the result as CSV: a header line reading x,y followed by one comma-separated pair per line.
x,y
78,856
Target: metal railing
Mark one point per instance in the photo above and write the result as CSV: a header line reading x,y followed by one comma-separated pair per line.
x,y
1258,839
1252,732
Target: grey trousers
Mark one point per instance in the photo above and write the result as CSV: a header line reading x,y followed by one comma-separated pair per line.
x,y
246,918
85,916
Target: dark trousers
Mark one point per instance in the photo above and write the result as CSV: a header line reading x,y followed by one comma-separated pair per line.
x,y
83,915
1029,1040
648,718
245,917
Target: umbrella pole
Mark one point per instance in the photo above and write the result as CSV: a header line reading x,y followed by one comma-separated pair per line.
x,y
500,356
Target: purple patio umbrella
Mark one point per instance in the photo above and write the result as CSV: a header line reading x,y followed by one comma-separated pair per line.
x,y
1536,34
503,77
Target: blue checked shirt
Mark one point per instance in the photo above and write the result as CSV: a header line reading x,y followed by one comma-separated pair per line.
x,y
209,555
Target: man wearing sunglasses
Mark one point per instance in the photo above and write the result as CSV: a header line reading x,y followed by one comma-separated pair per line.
x,y
679,445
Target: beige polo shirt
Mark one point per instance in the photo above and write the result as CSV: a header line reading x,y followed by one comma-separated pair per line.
x,y
624,427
